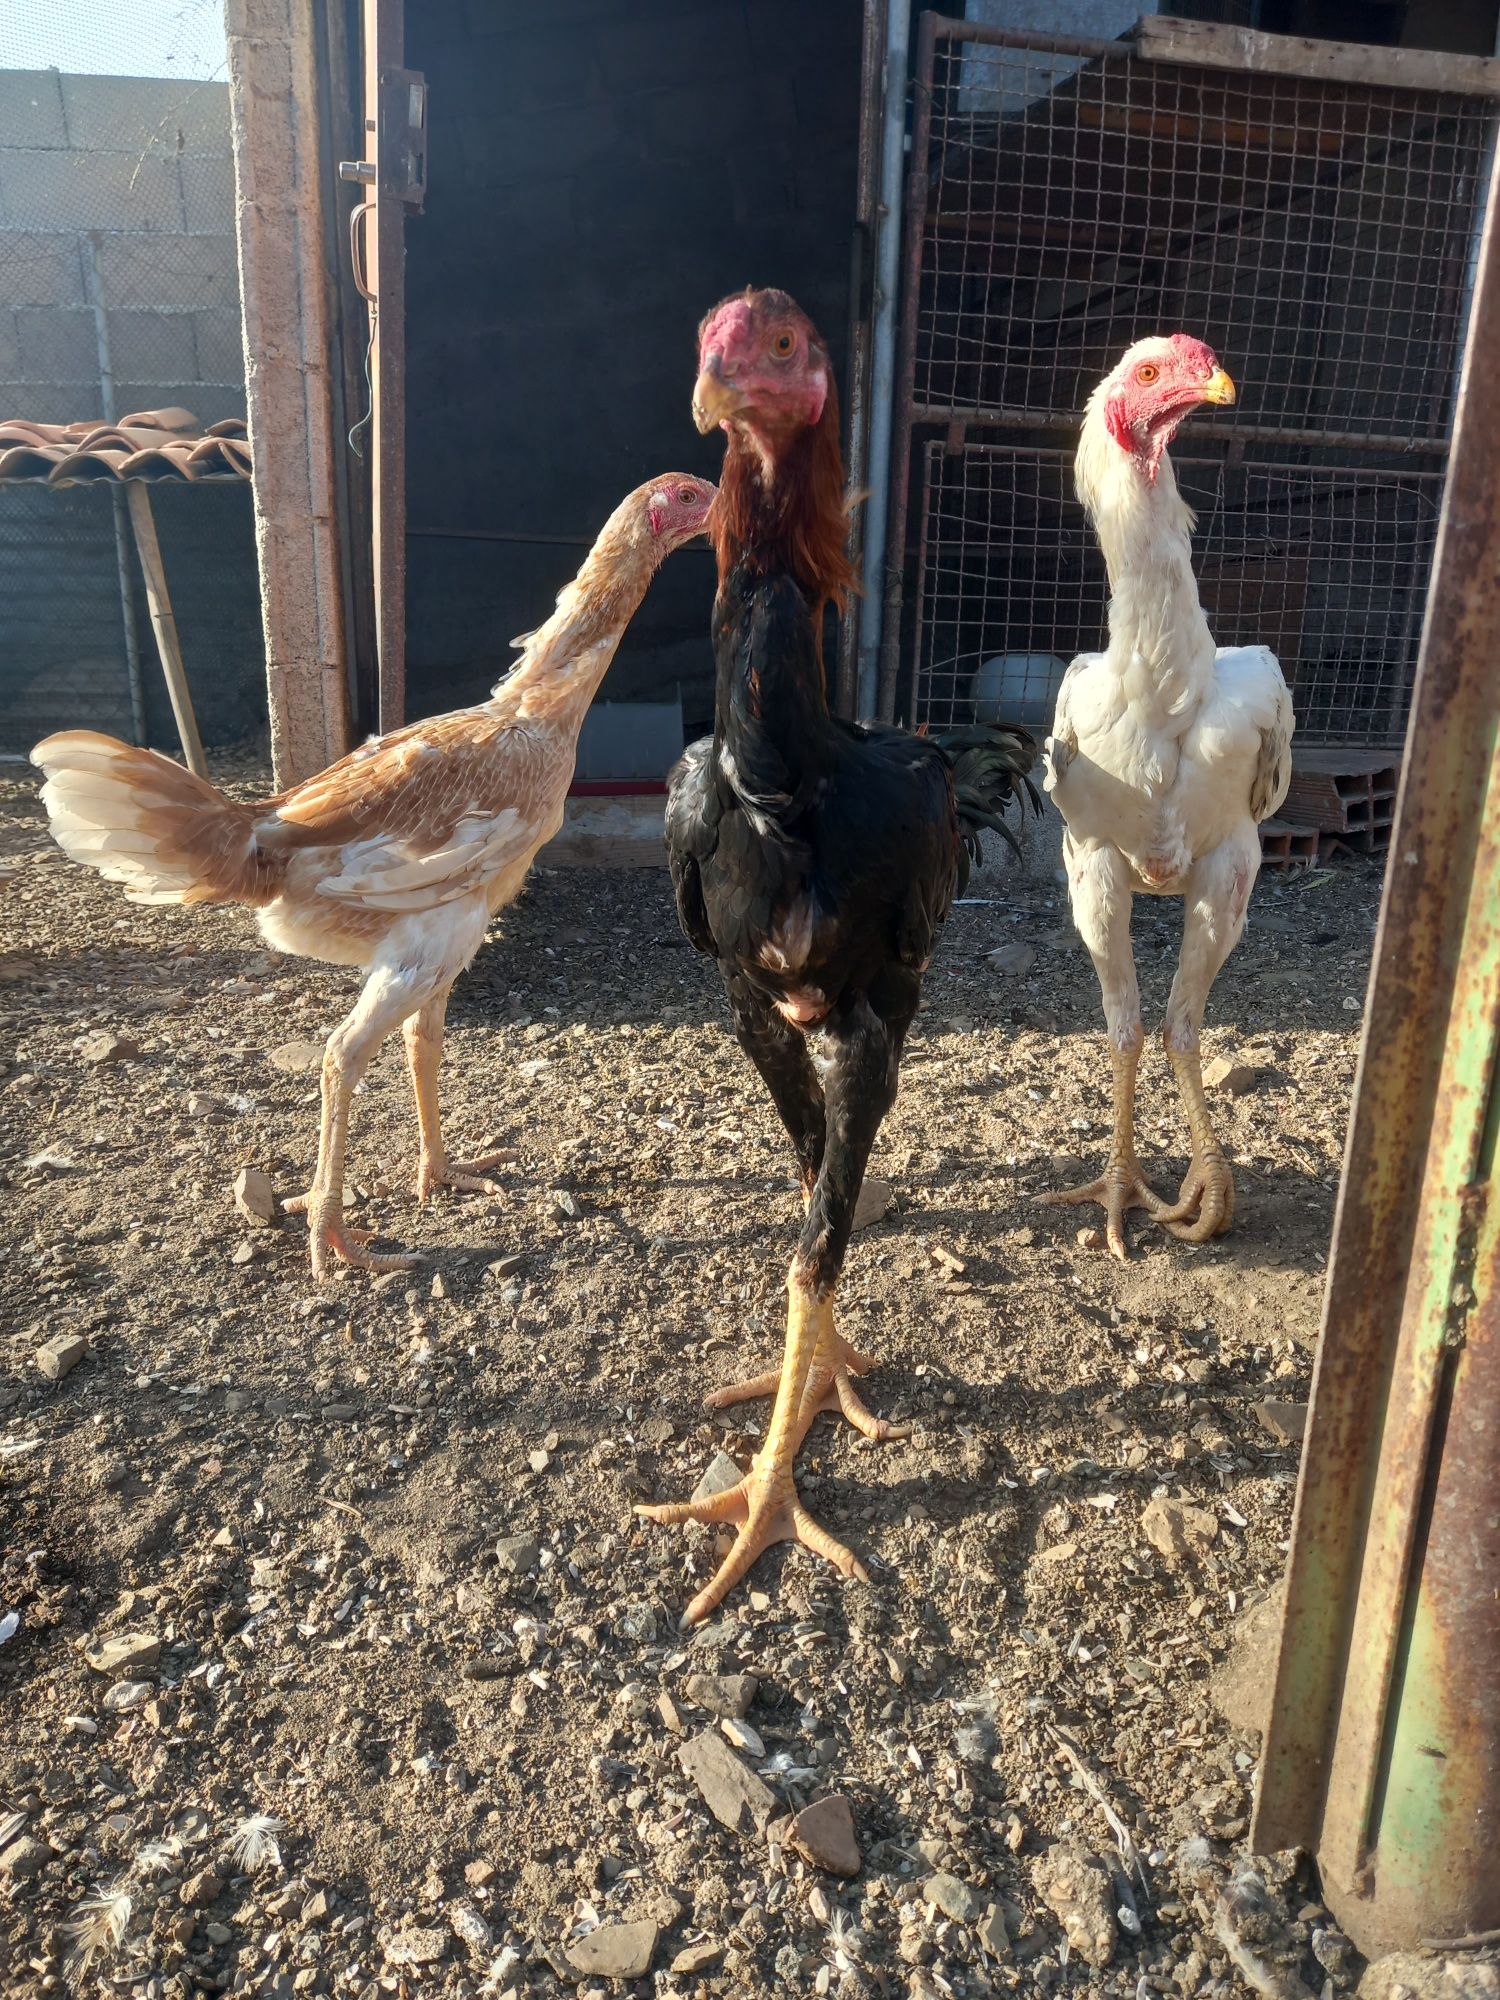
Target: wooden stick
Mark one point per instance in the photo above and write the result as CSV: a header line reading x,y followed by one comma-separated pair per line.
x,y
164,624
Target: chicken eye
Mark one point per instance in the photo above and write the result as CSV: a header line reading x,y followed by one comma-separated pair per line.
x,y
784,345
1147,373
686,495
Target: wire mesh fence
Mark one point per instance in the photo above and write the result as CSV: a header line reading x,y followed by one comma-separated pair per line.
x,y
1325,564
1319,234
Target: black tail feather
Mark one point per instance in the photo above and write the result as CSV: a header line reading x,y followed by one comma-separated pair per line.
x,y
991,764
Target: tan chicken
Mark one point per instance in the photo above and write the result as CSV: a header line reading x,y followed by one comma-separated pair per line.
x,y
397,856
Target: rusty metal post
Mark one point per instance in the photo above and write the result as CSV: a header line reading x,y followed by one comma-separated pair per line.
x,y
1383,1744
395,171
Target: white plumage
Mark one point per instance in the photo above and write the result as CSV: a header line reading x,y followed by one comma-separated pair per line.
x,y
1165,755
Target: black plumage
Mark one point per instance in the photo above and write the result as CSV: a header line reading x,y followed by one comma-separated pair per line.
x,y
814,860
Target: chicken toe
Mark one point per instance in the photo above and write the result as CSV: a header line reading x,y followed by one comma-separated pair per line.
x,y
764,1507
328,1232
435,1170
830,1387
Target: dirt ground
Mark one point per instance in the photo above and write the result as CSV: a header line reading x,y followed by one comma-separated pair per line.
x,y
378,1538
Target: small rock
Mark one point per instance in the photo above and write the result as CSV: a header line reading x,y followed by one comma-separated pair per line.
x,y
825,1835
992,1933
953,1897
470,1928
60,1355
416,1947
1079,1891
103,1046
1234,1079
731,1791
1090,1239
244,1253
1177,1530
294,1057
1287,1421
539,1460
181,1928
126,1695
1065,1166
123,1652
666,1708
722,1694
697,1957
199,1890
254,1196
742,1736
478,1873
217,1933
1015,960
1412,1975
518,1555
24,1858
875,1198
722,1473
564,1206
615,1951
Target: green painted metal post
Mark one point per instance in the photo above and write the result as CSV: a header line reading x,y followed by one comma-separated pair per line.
x,y
1383,1745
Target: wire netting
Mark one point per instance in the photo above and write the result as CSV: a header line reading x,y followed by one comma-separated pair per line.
x,y
1320,235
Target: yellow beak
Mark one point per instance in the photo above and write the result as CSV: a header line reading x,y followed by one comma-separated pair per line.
x,y
714,399
1218,388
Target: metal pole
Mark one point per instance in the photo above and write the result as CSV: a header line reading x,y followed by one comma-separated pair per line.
x,y
883,348
904,393
95,289
1383,1743
857,370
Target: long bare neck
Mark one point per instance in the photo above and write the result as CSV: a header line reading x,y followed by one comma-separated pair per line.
x,y
564,660
1159,639
781,512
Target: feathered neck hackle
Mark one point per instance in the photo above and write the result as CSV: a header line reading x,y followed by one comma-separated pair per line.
x,y
1158,636
782,510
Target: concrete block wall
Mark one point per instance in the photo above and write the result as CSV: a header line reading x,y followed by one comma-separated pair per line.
x,y
118,192
134,175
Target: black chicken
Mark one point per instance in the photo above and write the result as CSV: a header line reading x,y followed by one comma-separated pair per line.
x,y
814,859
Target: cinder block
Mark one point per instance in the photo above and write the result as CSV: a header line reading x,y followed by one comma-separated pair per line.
x,y
160,116
31,108
207,194
221,348
153,347
10,365
40,270
43,190
47,402
169,273
58,344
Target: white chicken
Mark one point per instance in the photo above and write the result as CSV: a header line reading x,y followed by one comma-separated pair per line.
x,y
394,858
1165,755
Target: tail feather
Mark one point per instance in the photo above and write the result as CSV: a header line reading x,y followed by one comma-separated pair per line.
x,y
991,765
140,819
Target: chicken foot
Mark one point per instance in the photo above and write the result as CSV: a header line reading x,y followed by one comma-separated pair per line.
x,y
1122,1186
830,1387
764,1506
422,1033
1205,1206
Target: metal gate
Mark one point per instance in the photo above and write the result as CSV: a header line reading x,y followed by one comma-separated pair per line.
x,y
1313,212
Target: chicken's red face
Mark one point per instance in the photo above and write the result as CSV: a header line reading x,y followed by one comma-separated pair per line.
x,y
1156,387
677,508
761,367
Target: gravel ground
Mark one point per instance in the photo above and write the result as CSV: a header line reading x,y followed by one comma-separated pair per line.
x,y
397,1702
